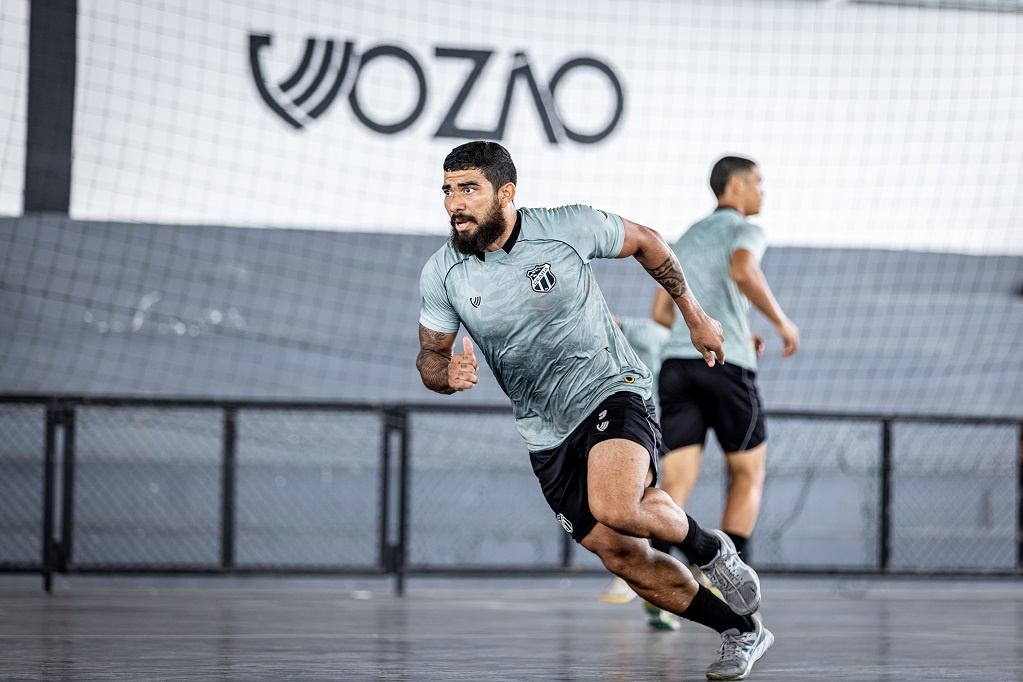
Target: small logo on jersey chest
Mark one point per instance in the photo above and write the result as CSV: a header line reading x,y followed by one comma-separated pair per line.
x,y
541,278
475,300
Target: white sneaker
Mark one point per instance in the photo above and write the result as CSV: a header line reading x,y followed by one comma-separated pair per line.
x,y
739,584
739,651
617,592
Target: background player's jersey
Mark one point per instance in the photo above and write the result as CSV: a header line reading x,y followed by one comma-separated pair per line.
x,y
539,318
647,338
705,253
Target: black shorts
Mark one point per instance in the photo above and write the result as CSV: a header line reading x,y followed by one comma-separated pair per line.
x,y
562,471
695,398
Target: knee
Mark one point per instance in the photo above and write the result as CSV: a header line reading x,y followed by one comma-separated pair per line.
x,y
616,517
751,477
621,560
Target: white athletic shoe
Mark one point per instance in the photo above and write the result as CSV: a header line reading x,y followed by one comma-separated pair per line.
x,y
617,592
739,651
739,584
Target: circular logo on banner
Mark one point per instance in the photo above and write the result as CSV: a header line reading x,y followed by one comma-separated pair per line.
x,y
565,523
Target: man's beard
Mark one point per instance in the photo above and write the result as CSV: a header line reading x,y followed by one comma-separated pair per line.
x,y
486,233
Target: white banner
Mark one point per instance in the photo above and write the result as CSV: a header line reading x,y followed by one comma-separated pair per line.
x,y
13,102
875,126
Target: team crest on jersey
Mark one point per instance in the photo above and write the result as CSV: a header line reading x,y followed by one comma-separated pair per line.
x,y
541,278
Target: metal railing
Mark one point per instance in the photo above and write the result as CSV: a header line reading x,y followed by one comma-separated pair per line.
x,y
155,485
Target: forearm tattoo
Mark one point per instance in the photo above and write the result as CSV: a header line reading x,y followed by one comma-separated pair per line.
x,y
669,275
433,359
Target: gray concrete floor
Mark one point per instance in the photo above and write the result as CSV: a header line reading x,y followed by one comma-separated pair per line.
x,y
252,628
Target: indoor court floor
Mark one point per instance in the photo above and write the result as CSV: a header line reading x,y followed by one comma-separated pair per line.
x,y
509,629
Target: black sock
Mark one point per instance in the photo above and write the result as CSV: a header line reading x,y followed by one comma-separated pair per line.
x,y
661,546
699,545
706,609
740,545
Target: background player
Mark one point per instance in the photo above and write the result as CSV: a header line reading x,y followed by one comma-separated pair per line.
x,y
721,256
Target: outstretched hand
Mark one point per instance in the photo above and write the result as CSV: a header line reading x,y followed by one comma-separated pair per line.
x,y
462,368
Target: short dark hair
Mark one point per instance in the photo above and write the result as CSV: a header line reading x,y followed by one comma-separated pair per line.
x,y
489,158
724,169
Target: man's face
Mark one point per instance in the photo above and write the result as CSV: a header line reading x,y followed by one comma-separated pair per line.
x,y
474,210
753,193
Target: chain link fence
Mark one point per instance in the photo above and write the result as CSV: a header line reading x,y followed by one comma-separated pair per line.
x,y
22,441
146,486
309,488
475,501
955,497
285,487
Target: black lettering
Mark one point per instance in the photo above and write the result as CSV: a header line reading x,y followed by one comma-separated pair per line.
x,y
542,100
448,127
353,98
619,94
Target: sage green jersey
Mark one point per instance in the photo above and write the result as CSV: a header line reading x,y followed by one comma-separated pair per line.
x,y
705,253
647,338
535,312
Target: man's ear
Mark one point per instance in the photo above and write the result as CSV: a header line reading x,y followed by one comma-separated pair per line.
x,y
506,193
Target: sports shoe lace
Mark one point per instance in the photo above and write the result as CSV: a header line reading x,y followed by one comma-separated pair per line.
x,y
728,565
731,645
732,566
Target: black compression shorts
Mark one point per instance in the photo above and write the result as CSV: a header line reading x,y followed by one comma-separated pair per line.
x,y
562,471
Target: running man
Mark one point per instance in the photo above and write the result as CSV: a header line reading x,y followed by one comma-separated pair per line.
x,y
722,256
520,282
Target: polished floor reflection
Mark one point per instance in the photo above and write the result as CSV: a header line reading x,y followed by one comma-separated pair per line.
x,y
217,628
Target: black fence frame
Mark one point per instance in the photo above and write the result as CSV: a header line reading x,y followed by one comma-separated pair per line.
x,y
57,554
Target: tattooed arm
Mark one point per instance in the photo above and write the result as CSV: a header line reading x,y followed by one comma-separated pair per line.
x,y
441,371
649,248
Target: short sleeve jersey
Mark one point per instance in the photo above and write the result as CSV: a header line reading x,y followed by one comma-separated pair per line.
x,y
538,317
705,253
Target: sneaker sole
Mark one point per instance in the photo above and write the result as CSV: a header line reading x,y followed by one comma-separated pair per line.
x,y
744,609
616,598
616,595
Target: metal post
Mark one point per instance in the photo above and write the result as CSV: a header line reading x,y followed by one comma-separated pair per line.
x,y
50,104
68,507
1019,504
403,504
49,461
886,496
386,562
229,467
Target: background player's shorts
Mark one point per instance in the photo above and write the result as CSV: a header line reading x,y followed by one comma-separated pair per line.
x,y
562,470
695,397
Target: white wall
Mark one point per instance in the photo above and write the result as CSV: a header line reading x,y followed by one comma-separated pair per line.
x,y
876,126
13,82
